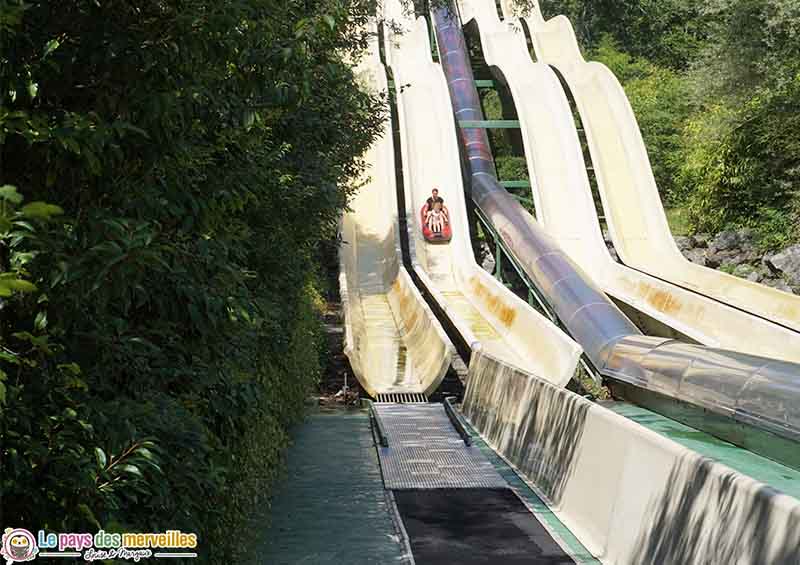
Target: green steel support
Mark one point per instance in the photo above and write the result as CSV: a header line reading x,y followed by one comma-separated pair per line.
x,y
515,183
484,84
489,124
498,259
523,199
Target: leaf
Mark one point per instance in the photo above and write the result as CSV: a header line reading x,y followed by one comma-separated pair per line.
x,y
330,21
20,285
41,210
132,469
101,457
40,322
51,46
2,392
9,192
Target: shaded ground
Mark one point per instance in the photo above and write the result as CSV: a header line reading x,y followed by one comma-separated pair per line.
x,y
331,507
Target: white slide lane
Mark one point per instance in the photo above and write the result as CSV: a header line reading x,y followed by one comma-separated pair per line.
x,y
393,341
565,207
488,315
632,205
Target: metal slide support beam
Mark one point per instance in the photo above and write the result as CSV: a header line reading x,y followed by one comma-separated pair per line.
x,y
489,124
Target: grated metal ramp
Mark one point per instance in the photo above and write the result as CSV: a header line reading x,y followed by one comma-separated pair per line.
x,y
426,452
401,397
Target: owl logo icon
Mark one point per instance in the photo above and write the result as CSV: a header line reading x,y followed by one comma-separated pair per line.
x,y
18,545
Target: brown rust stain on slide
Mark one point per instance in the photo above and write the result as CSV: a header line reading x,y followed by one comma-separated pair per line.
x,y
409,312
506,314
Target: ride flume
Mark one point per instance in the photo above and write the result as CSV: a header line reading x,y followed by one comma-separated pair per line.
x,y
755,391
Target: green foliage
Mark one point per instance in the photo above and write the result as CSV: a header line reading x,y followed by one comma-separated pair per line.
x,y
511,168
668,32
199,152
749,176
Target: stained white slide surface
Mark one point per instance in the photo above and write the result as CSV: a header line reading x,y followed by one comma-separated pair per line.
x,y
636,219
485,312
392,339
565,207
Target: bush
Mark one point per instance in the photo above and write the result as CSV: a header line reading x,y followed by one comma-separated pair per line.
x,y
749,175
199,153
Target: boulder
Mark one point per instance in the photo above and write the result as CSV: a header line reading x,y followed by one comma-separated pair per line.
x,y
701,239
755,276
697,256
744,271
787,262
724,241
744,235
488,264
684,243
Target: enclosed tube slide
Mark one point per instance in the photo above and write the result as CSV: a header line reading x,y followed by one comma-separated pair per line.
x,y
486,314
566,209
635,216
393,341
722,381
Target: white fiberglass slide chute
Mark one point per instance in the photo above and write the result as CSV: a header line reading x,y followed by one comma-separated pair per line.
x,y
487,315
635,216
566,210
393,341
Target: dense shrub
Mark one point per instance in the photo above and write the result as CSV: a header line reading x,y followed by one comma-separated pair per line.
x,y
198,151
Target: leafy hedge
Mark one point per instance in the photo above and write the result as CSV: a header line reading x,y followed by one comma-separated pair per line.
x,y
157,327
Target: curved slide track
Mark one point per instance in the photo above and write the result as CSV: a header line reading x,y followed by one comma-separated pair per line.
x,y
393,341
486,314
566,210
636,219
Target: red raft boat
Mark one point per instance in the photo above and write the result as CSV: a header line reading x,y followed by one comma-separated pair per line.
x,y
431,236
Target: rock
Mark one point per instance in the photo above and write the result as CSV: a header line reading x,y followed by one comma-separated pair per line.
x,y
744,235
697,256
755,276
713,260
732,258
701,239
488,264
684,243
744,271
786,262
724,241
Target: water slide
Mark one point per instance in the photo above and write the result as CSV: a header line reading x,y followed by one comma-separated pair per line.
x,y
487,315
566,210
394,343
628,191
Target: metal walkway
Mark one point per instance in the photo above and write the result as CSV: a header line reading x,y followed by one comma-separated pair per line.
x,y
426,452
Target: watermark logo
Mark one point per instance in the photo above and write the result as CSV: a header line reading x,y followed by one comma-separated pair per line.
x,y
18,545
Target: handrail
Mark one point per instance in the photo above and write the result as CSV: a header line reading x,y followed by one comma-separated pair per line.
x,y
457,421
380,429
